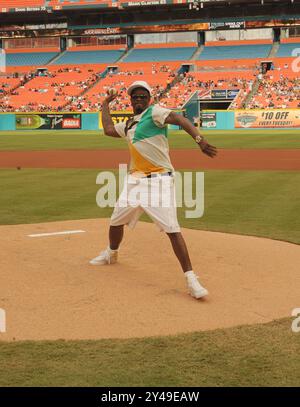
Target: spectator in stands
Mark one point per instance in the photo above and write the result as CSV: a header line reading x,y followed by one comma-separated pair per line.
x,y
264,68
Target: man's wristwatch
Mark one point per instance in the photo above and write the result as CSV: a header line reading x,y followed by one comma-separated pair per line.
x,y
199,138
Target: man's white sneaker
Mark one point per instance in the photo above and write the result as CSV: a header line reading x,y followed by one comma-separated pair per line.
x,y
108,256
195,288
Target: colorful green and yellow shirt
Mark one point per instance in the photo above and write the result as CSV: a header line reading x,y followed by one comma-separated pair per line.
x,y
147,139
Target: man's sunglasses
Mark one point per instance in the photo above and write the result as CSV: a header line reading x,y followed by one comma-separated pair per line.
x,y
135,97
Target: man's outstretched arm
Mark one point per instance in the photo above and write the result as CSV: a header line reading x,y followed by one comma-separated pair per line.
x,y
181,121
107,123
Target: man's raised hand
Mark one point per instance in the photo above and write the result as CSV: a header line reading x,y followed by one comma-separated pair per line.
x,y
208,149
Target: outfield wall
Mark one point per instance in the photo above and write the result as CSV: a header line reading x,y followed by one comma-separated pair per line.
x,y
49,121
211,120
7,121
251,119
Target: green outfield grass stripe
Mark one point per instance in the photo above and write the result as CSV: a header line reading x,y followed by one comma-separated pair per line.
x,y
258,355
258,203
80,140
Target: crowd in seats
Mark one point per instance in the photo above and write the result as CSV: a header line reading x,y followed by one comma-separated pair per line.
x,y
203,82
156,75
281,94
49,91
7,84
278,88
83,87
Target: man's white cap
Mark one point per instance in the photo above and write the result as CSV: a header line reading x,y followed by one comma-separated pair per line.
x,y
138,84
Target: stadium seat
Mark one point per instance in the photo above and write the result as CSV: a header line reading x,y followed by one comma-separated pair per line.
x,y
29,58
21,3
93,57
72,3
235,52
76,85
286,50
55,90
204,82
161,54
157,75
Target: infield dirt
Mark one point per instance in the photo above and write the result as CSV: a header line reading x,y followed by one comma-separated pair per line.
x,y
49,290
240,159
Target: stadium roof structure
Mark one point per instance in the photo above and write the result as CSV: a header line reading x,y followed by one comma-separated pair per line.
x,y
111,13
48,6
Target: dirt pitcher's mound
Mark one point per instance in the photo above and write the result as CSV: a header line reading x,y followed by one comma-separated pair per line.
x,y
49,290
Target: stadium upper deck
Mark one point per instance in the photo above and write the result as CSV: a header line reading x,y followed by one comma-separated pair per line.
x,y
88,10
60,4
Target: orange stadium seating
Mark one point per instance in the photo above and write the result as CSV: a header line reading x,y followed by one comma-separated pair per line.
x,y
21,3
237,42
290,40
279,87
7,84
80,87
231,64
157,75
97,47
63,3
51,92
30,50
167,45
204,82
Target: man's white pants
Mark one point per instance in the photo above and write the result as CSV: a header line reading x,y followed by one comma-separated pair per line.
x,y
155,196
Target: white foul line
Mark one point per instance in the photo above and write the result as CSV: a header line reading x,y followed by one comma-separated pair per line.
x,y
66,232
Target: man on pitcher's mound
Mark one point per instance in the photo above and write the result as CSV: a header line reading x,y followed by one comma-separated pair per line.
x,y
150,170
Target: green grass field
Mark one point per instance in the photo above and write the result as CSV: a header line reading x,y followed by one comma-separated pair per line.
x,y
261,203
61,140
259,355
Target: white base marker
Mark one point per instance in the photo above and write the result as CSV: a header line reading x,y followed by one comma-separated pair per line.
x,y
66,232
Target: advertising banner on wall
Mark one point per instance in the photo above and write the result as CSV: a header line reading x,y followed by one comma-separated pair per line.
x,y
53,30
232,93
226,25
219,94
208,120
293,21
23,32
117,117
267,118
48,121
